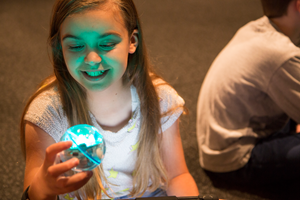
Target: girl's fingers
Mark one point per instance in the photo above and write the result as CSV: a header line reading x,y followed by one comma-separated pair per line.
x,y
54,149
75,182
57,170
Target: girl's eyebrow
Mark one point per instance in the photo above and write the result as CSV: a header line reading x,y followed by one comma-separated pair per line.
x,y
102,36
70,36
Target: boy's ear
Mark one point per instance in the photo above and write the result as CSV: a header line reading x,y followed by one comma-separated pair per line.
x,y
134,41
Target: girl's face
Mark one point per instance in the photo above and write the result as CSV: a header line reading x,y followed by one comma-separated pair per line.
x,y
95,45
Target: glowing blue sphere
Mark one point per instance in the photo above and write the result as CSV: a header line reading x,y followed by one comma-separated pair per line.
x,y
88,146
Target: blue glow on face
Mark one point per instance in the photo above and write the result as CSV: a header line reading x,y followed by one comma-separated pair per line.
x,y
95,47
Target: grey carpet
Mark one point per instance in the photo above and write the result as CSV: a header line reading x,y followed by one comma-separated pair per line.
x,y
183,38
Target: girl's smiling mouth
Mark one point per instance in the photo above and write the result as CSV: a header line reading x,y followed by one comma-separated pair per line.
x,y
95,75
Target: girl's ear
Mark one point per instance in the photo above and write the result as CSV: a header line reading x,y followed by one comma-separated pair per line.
x,y
134,41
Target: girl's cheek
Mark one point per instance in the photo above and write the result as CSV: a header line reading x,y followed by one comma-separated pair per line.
x,y
71,59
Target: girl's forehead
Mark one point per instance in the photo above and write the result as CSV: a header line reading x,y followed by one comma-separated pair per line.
x,y
94,20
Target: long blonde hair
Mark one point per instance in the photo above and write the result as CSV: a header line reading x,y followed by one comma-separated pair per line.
x,y
149,164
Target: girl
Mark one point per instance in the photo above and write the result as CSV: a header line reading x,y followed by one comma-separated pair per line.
x,y
102,77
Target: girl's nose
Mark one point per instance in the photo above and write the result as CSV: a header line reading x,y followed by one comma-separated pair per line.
x,y
92,58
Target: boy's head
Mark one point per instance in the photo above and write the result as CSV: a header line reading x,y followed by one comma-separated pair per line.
x,y
275,8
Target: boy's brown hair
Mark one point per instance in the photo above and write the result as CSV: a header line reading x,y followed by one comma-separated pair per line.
x,y
275,8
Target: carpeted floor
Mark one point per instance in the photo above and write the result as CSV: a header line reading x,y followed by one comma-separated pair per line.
x,y
183,38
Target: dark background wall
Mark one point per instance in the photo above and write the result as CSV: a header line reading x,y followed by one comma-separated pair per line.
x,y
183,38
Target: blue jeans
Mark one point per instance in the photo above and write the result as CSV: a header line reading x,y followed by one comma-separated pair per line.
x,y
157,193
273,159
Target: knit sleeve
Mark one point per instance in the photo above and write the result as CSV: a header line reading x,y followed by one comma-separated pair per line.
x,y
171,105
46,112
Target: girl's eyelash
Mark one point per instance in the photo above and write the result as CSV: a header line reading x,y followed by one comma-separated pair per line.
x,y
108,45
76,47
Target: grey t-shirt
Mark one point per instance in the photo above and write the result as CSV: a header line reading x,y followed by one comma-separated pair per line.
x,y
119,161
250,91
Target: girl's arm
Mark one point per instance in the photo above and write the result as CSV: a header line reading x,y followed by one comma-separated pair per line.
x,y
41,173
181,182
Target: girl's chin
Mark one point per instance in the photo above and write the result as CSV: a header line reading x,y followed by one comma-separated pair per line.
x,y
95,87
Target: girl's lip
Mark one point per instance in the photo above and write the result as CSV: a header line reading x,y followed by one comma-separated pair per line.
x,y
95,78
94,70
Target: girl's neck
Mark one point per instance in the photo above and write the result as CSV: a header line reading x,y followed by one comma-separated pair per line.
x,y
111,107
108,95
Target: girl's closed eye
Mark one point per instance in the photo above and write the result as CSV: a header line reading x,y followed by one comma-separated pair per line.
x,y
76,47
107,46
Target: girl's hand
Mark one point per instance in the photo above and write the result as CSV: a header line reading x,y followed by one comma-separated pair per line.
x,y
49,182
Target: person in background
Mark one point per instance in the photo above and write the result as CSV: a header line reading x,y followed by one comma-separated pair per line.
x,y
248,112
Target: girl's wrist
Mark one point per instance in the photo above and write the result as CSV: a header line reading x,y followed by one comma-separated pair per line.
x,y
36,194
